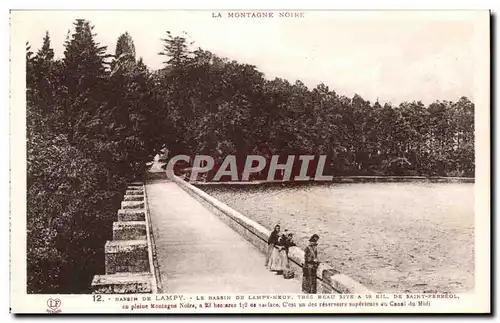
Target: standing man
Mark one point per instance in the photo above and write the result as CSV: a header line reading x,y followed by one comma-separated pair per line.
x,y
310,266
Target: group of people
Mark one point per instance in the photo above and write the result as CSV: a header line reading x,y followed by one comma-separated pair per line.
x,y
277,252
277,258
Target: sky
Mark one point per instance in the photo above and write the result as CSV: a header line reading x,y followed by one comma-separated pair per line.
x,y
387,56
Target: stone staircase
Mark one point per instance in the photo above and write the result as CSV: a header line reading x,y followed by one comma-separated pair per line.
x,y
129,256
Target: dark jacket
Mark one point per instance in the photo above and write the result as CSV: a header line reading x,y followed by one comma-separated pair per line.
x,y
273,238
281,241
311,257
289,243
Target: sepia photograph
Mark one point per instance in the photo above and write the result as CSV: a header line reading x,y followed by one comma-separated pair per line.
x,y
250,161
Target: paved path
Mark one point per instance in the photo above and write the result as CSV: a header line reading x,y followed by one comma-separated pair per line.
x,y
198,253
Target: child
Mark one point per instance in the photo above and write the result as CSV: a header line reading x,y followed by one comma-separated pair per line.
x,y
288,272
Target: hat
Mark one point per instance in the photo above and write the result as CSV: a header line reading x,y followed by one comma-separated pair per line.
x,y
314,238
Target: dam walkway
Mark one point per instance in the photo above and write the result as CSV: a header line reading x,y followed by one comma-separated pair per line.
x,y
196,252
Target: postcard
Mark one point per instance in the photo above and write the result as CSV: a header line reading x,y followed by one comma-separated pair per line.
x,y
243,161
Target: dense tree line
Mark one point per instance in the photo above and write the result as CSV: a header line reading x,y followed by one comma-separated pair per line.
x,y
88,135
220,107
94,120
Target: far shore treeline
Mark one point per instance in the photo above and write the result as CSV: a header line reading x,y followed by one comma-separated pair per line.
x,y
94,120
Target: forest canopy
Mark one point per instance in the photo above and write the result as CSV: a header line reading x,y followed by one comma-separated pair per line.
x,y
94,120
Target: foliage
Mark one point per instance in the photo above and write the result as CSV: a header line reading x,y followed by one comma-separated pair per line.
x,y
87,137
221,107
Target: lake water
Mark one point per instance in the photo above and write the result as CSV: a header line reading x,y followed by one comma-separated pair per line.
x,y
391,237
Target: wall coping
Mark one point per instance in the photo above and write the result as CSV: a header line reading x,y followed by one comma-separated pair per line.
x,y
326,274
122,224
119,246
347,180
151,245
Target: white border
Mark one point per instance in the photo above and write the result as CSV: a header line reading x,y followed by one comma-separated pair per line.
x,y
255,4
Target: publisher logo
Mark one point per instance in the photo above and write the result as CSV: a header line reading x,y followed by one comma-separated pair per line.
x,y
53,305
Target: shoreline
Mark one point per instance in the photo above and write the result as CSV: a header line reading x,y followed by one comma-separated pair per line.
x,y
347,179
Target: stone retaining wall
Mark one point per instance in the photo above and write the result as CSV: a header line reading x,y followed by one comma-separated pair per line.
x,y
129,256
329,279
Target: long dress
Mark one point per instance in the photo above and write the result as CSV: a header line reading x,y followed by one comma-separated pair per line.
x,y
273,238
287,271
278,255
310,270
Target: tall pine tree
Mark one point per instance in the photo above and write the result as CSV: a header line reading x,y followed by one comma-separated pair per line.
x,y
85,73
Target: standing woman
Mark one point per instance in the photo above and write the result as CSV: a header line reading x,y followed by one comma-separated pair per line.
x,y
310,266
276,262
273,239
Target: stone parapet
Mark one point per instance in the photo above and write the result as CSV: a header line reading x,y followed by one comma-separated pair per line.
x,y
134,192
132,205
122,256
129,230
128,257
137,198
123,283
131,215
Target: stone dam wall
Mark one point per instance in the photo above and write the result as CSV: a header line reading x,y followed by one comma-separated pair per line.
x,y
129,256
346,179
329,280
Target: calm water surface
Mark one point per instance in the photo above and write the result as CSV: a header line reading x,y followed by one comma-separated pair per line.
x,y
401,237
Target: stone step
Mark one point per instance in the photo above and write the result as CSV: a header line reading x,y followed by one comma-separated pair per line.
x,y
126,256
131,215
122,283
133,198
132,205
129,230
134,192
135,188
136,184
